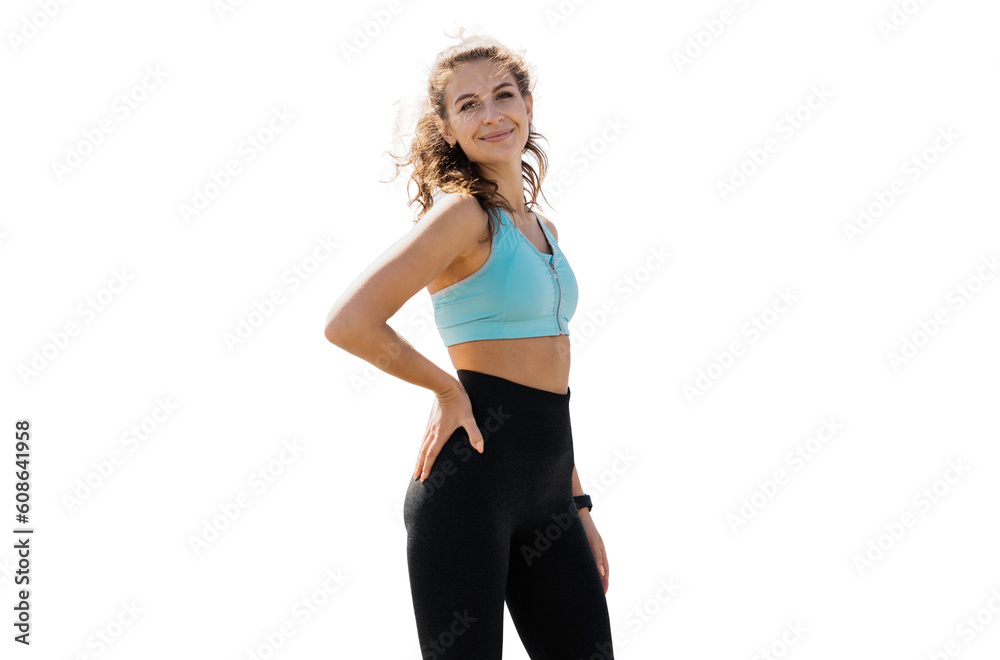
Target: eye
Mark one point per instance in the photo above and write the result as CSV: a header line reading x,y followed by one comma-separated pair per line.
x,y
501,95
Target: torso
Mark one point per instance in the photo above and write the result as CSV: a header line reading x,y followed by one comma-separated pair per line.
x,y
540,362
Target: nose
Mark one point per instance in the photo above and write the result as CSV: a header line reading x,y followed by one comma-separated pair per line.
x,y
492,113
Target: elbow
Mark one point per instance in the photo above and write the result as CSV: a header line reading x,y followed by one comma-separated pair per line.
x,y
329,333
341,328
336,331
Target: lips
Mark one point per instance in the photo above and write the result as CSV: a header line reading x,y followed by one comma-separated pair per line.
x,y
494,136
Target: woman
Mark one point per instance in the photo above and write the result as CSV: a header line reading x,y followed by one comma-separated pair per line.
x,y
495,511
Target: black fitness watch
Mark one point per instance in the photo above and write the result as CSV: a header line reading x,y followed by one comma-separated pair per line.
x,y
583,501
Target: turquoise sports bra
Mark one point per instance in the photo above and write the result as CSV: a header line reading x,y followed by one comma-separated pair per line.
x,y
518,292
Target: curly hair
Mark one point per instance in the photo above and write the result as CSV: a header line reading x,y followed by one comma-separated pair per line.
x,y
437,166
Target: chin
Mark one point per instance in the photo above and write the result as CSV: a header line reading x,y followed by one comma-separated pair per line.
x,y
500,155
501,160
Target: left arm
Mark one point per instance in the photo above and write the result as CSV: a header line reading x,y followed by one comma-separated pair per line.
x,y
596,542
578,488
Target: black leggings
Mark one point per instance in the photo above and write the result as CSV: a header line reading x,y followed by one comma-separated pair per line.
x,y
502,526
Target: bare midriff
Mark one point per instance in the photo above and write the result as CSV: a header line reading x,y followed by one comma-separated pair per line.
x,y
539,362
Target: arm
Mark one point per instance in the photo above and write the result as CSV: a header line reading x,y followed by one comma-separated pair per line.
x,y
596,542
593,537
386,349
578,490
577,487
357,321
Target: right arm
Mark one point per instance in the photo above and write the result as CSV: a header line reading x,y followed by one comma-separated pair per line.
x,y
357,322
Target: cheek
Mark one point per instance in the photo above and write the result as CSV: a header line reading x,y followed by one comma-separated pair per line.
x,y
468,128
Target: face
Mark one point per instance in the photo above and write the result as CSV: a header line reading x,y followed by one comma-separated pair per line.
x,y
481,100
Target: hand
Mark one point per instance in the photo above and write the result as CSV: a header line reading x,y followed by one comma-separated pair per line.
x,y
452,409
597,547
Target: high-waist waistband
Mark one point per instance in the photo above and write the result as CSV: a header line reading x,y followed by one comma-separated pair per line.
x,y
524,419
468,376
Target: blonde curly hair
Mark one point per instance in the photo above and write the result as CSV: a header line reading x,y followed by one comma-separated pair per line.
x,y
437,166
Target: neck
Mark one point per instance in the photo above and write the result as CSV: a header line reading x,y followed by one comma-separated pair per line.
x,y
510,180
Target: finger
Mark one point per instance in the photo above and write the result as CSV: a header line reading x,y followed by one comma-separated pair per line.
x,y
425,445
416,468
475,436
429,457
607,567
420,455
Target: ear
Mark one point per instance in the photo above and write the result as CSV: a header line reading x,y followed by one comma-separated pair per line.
x,y
528,103
443,129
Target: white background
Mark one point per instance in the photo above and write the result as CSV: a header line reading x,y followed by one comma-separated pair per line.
x,y
653,185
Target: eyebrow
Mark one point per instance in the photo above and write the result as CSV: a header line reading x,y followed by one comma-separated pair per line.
x,y
503,84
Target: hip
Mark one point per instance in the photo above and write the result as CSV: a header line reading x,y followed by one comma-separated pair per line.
x,y
526,466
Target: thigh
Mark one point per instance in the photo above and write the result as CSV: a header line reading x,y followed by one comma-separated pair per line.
x,y
554,591
457,560
457,587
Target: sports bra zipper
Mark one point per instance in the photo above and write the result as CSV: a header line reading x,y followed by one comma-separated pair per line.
x,y
558,297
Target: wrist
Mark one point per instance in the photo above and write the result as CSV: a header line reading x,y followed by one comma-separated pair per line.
x,y
583,502
449,390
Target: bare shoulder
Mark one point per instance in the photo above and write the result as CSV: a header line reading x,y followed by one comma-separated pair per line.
x,y
457,207
551,225
458,215
445,233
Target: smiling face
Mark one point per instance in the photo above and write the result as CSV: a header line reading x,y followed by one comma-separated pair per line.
x,y
486,114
